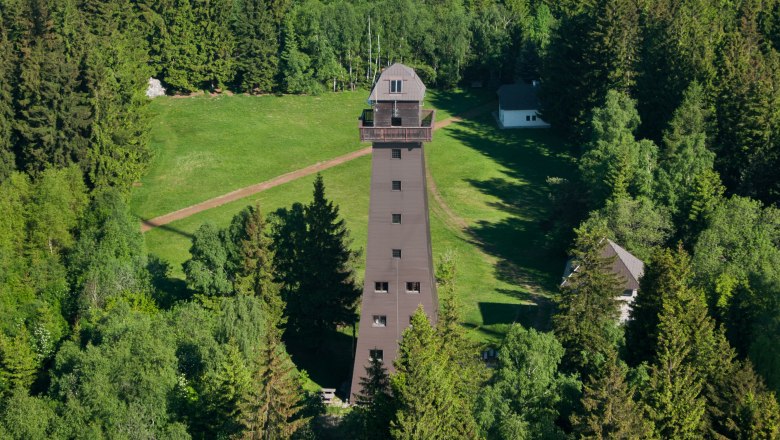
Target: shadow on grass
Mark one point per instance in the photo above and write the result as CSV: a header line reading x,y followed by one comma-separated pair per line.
x,y
148,222
329,364
520,241
458,101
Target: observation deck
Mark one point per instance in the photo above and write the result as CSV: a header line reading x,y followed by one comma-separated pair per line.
x,y
400,133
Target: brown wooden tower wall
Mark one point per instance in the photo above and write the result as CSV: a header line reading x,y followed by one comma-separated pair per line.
x,y
397,221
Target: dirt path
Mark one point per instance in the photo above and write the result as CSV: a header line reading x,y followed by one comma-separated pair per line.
x,y
250,190
240,193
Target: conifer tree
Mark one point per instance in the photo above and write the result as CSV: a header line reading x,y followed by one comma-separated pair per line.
x,y
747,408
326,294
586,318
215,41
257,46
53,114
273,407
692,357
223,390
117,72
592,52
674,395
609,409
256,274
424,388
462,354
295,65
656,286
614,161
747,120
375,402
180,55
685,156
288,233
7,62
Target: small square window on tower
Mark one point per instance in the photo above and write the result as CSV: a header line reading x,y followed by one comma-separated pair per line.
x,y
396,253
396,219
412,287
527,117
376,354
396,153
381,287
396,185
379,321
395,85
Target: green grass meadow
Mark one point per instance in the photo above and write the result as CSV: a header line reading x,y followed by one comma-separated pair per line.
x,y
493,179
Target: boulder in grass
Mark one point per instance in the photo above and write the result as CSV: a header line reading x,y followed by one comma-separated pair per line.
x,y
155,88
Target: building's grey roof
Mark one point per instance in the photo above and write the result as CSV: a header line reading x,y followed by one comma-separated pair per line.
x,y
520,96
627,266
412,89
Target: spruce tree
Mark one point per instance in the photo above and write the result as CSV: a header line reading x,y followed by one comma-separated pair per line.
x,y
586,319
257,46
18,363
222,391
609,409
180,55
748,409
375,402
692,359
327,294
215,42
674,395
462,353
288,233
425,388
614,161
295,65
272,409
7,62
53,113
256,273
116,66
684,156
656,286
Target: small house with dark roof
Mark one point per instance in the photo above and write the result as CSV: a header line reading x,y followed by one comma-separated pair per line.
x,y
628,268
518,106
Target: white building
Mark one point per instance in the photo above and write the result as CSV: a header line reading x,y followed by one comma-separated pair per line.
x,y
518,106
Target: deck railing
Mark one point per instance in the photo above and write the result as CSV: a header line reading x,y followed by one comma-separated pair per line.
x,y
423,133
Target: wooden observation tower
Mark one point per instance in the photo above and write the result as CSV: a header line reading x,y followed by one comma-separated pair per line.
x,y
399,264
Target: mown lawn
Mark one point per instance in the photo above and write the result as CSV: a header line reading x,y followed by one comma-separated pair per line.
x,y
496,181
493,179
204,147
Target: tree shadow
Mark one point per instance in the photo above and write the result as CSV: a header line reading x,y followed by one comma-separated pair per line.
x,y
521,241
167,290
457,101
329,364
166,227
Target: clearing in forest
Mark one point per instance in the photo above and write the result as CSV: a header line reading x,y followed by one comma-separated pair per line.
x,y
492,181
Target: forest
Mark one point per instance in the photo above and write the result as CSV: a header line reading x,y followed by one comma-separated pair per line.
x,y
672,108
